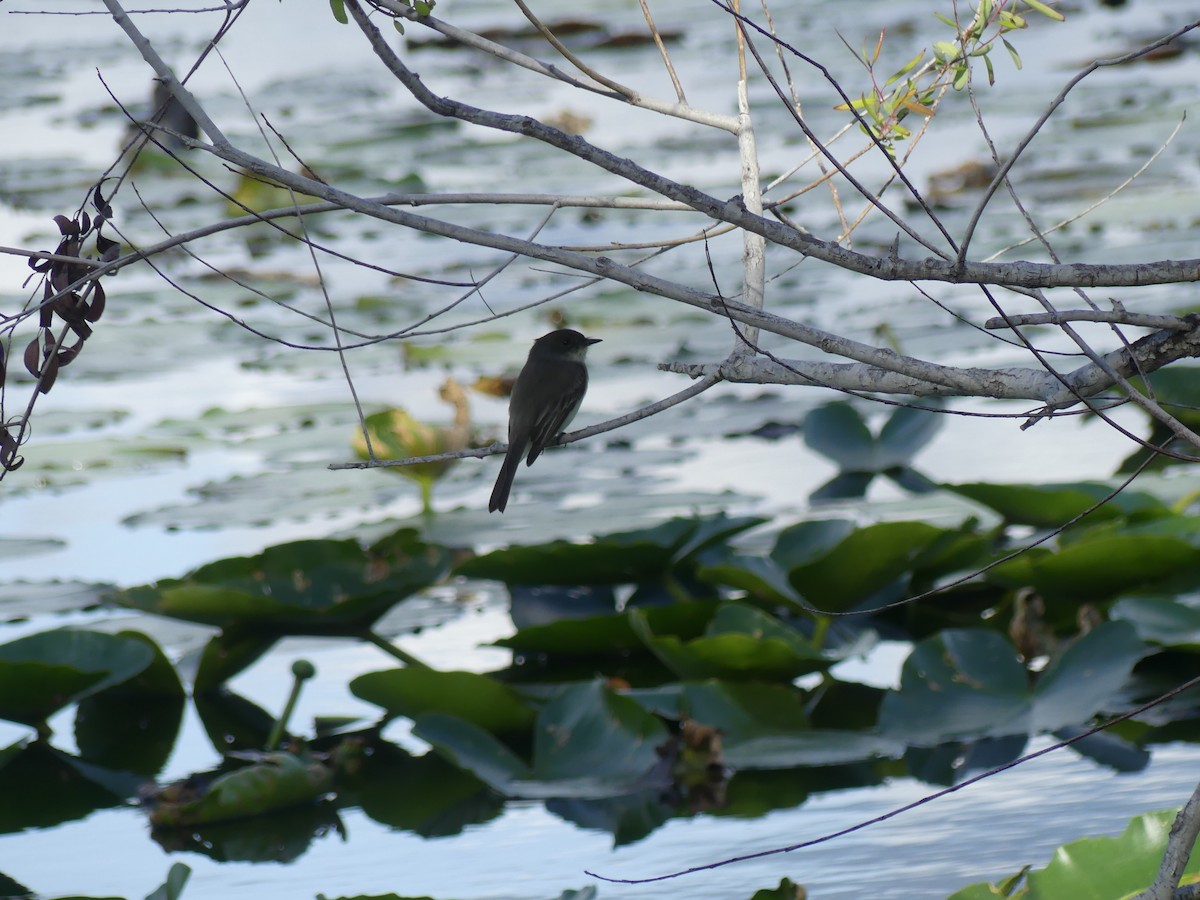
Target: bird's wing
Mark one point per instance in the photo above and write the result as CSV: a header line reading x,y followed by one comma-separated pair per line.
x,y
556,416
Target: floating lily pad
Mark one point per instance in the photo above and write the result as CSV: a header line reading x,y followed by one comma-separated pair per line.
x,y
764,726
1098,867
1096,568
312,586
133,725
634,557
276,781
1168,621
300,491
588,743
1053,505
22,599
740,642
477,699
43,673
838,432
968,683
861,564
759,576
611,634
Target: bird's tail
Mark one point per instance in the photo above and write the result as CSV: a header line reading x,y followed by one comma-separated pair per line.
x,y
504,480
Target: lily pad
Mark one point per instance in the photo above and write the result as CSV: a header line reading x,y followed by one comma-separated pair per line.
x,y
968,683
1164,620
611,634
1096,568
1053,505
477,699
863,563
314,586
740,642
838,432
276,781
43,673
1096,868
588,743
759,576
632,557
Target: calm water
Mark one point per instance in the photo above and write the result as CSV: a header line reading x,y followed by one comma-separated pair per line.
x,y
158,363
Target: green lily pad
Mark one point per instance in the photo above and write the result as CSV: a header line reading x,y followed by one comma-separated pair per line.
x,y
477,699
1096,568
838,432
763,725
277,781
43,673
759,576
608,635
1053,505
133,725
1164,620
317,586
815,747
632,557
172,888
589,742
864,562
968,683
589,730
1100,868
806,542
740,642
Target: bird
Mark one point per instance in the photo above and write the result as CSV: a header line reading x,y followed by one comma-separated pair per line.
x,y
544,400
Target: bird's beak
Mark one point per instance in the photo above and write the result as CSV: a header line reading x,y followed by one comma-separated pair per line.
x,y
593,340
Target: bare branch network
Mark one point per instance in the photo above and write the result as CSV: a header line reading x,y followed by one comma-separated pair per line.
x,y
925,249
69,299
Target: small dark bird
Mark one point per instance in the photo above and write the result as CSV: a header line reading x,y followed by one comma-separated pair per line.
x,y
544,400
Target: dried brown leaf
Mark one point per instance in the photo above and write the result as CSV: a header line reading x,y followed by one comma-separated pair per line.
x,y
33,358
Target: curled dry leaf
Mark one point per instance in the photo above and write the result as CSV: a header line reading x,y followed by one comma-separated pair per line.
x,y
93,311
109,249
8,450
33,358
66,354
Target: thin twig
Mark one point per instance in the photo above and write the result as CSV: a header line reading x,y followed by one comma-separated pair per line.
x,y
1120,317
592,430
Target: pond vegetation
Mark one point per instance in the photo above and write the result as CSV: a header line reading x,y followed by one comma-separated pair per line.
x,y
676,653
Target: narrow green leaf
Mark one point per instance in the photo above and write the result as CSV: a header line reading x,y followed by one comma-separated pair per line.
x,y
339,11
1048,12
1012,51
906,68
946,51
